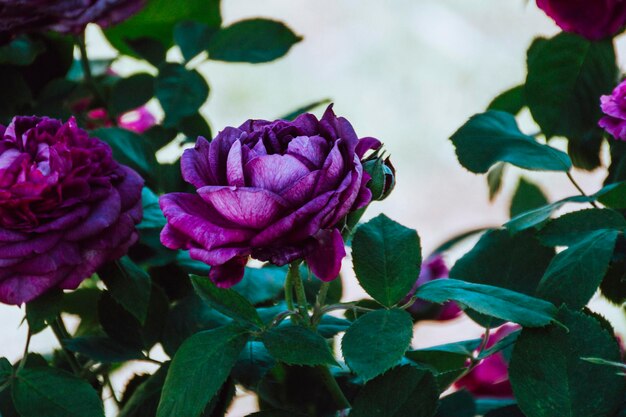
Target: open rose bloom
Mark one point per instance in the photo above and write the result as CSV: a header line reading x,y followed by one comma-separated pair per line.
x,y
614,109
66,207
277,191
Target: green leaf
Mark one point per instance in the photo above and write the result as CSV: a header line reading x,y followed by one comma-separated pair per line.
x,y
403,391
158,19
457,404
145,398
253,364
226,301
550,378
528,196
6,370
376,341
516,263
575,274
511,101
180,91
500,345
253,41
494,136
386,258
297,345
132,149
508,411
330,326
21,51
192,38
199,369
130,93
494,179
496,302
103,349
570,228
615,365
613,195
51,392
43,310
194,126
566,77
149,49
305,109
129,285
539,215
260,285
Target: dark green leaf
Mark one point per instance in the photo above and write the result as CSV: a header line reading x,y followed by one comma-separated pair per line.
x,y
377,341
129,285
329,326
181,92
187,317
253,40
276,413
403,391
158,19
575,274
502,344
226,301
6,370
132,149
145,398
539,215
457,404
585,151
516,263
260,285
613,195
43,310
571,228
130,93
305,109
566,76
199,369
508,411
511,101
485,405
51,392
496,302
494,136
386,258
194,126
528,196
549,378
192,38
151,50
253,364
297,345
103,349
494,179
22,50
153,217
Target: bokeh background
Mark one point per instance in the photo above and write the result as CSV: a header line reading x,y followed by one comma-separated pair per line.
x,y
409,72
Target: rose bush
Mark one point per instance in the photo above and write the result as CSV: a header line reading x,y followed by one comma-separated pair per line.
x,y
65,16
277,191
595,20
66,207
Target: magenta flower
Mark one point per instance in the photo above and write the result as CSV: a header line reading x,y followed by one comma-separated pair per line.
x,y
66,207
490,378
614,108
593,19
434,267
138,120
65,16
277,191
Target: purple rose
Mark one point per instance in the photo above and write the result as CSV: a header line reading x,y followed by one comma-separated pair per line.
x,y
490,378
614,108
434,267
66,207
65,16
593,19
277,191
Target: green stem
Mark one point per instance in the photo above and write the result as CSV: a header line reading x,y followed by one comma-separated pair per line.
x,y
61,333
289,290
579,188
320,301
89,79
333,388
294,271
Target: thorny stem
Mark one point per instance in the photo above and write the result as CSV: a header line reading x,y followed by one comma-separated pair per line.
x,y
319,303
474,360
21,364
61,333
294,272
91,82
580,190
289,290
333,387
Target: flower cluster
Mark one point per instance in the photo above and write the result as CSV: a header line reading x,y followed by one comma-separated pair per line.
x,y
66,207
277,191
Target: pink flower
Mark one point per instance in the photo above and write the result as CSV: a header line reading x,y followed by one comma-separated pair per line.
x,y
138,120
490,378
614,108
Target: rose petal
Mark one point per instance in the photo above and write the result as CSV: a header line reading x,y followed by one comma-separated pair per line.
x,y
230,273
325,260
104,214
365,144
194,164
275,172
246,207
234,166
310,150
